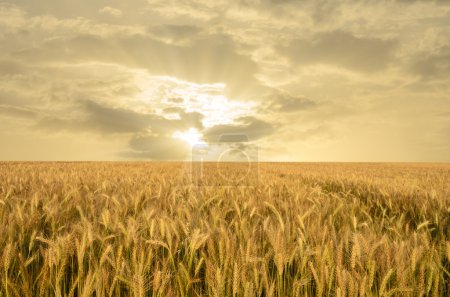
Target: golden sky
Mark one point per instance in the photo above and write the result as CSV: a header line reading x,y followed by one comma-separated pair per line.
x,y
304,80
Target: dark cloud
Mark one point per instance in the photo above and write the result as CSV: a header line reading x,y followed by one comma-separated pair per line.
x,y
156,148
112,120
151,135
251,127
433,66
176,100
115,120
285,102
342,49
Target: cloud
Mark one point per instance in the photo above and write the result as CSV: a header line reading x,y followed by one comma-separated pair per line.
x,y
23,27
98,118
323,10
17,112
143,70
251,127
193,11
115,120
14,98
210,59
433,66
341,49
111,11
156,148
176,100
424,1
93,117
174,33
285,102
192,119
10,68
11,17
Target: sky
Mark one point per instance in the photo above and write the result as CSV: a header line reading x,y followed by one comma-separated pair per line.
x,y
303,80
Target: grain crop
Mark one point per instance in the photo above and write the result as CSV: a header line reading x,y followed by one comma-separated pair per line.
x,y
299,229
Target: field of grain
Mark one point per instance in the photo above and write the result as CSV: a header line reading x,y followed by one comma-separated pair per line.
x,y
142,229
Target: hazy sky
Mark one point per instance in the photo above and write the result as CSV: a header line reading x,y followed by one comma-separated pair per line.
x,y
306,80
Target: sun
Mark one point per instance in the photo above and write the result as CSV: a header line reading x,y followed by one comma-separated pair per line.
x,y
191,136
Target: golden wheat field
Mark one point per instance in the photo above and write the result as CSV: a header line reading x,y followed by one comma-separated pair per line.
x,y
142,229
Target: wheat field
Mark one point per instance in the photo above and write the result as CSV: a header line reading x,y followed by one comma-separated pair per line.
x,y
142,229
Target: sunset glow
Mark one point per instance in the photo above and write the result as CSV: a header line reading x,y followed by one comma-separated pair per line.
x,y
191,136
